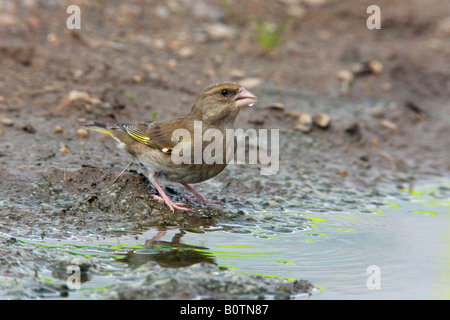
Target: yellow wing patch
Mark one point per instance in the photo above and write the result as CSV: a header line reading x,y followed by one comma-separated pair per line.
x,y
139,136
142,137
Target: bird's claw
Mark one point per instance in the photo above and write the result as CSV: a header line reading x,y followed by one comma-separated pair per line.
x,y
172,205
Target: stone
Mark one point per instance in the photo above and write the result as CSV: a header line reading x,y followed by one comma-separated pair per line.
x,y
322,120
7,122
83,133
305,122
220,31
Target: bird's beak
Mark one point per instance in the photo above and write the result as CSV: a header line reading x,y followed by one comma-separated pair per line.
x,y
244,98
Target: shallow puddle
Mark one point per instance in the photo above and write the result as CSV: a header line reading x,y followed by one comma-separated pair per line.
x,y
396,249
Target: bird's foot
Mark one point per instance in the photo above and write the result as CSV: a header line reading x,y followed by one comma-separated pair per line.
x,y
198,196
172,205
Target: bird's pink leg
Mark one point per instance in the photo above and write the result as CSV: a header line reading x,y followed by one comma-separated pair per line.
x,y
197,195
164,197
149,242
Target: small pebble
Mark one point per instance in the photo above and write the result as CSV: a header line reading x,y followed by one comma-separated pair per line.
x,y
369,67
296,11
28,128
186,52
389,125
377,112
375,142
276,106
83,133
64,149
51,37
375,66
7,122
172,63
137,78
220,31
354,131
305,122
75,95
58,129
322,120
272,203
279,199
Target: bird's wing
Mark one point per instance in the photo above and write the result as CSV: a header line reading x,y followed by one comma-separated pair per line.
x,y
150,134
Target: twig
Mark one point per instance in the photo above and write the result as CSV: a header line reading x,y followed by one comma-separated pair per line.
x,y
123,171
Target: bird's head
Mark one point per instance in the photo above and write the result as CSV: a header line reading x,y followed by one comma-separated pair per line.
x,y
221,102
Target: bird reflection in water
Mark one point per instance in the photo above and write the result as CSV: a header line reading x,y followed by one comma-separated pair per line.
x,y
169,254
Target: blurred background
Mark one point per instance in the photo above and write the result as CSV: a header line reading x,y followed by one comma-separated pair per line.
x,y
148,59
145,47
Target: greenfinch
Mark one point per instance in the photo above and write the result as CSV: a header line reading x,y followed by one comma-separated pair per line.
x,y
152,143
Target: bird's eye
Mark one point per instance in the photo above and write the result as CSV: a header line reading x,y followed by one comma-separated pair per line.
x,y
224,92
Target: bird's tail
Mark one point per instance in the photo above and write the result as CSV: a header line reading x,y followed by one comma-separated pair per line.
x,y
102,128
